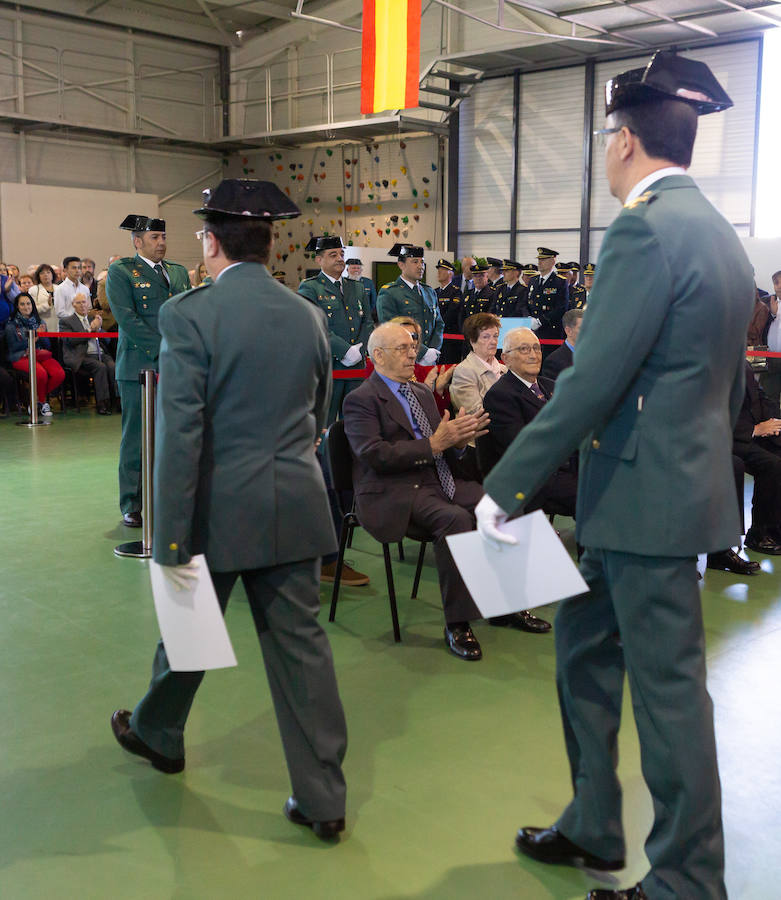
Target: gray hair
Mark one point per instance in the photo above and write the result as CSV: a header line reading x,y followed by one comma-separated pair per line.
x,y
378,335
509,342
570,317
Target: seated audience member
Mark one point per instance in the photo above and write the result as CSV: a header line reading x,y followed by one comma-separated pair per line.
x,y
403,476
756,441
42,293
6,305
200,275
561,358
770,379
48,371
428,375
89,355
69,287
728,560
513,402
101,303
25,283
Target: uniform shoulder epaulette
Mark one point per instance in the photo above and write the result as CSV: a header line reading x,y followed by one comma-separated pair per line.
x,y
311,278
128,260
387,285
188,293
643,200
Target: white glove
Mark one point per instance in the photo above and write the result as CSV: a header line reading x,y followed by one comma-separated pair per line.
x,y
429,357
535,324
489,517
183,576
352,356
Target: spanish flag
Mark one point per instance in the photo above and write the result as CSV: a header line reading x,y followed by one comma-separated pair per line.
x,y
390,61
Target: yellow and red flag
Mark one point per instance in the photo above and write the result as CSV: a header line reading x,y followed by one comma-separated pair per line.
x,y
390,60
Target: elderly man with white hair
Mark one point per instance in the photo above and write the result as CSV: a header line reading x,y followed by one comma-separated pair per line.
x,y
405,469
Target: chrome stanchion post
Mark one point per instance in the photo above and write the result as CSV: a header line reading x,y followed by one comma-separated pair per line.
x,y
35,419
143,549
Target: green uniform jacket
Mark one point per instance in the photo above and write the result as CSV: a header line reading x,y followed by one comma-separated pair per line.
x,y
348,317
655,387
398,299
236,476
135,293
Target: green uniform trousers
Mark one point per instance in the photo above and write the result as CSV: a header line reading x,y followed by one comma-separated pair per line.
x,y
130,447
285,602
651,605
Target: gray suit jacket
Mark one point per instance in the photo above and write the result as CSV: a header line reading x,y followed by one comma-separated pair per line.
x,y
389,461
75,349
245,381
655,388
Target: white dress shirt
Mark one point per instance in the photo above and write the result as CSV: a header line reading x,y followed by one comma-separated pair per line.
x,y
64,294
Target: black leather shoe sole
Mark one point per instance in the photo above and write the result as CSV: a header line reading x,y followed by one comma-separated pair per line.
x,y
132,520
130,741
547,845
326,831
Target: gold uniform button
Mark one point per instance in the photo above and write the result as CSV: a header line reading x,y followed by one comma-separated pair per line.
x,y
173,546
520,496
595,444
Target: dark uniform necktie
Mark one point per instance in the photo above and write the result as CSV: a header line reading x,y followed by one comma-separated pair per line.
x,y
424,426
161,274
537,391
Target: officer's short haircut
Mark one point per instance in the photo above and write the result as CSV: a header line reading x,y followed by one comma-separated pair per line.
x,y
570,317
242,239
666,128
69,259
777,275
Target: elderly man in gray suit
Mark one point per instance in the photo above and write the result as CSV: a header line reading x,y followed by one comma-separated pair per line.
x,y
236,478
89,355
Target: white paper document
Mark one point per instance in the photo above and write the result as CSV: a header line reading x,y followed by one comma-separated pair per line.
x,y
191,623
535,571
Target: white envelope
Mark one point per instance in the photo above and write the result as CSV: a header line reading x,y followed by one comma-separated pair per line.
x,y
535,571
191,623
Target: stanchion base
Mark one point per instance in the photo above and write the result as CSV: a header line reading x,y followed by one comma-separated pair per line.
x,y
32,424
133,548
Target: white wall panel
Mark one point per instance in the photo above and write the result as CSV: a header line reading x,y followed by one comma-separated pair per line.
x,y
551,148
567,244
484,245
485,157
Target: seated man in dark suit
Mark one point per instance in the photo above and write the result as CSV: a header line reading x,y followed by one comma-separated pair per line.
x,y
756,441
403,474
89,355
514,401
561,358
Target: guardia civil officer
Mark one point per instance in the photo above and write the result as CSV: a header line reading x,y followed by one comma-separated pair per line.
x,y
236,479
482,297
577,293
548,297
653,412
409,296
347,313
355,272
136,287
449,299
512,294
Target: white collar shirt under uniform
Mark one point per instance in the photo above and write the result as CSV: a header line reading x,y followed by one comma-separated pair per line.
x,y
646,182
63,297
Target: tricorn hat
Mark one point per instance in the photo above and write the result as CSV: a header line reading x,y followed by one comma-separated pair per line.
x,y
406,251
353,262
248,198
142,223
323,242
667,77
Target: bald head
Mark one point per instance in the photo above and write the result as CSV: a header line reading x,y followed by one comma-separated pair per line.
x,y
393,351
522,353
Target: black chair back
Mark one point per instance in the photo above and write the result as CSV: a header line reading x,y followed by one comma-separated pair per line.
x,y
340,464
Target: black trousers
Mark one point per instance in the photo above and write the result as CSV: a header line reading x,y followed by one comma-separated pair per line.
x,y
102,373
762,459
435,514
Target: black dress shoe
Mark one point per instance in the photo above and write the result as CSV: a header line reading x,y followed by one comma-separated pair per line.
x,y
127,738
729,561
549,845
104,409
461,641
132,520
326,831
633,893
762,543
522,621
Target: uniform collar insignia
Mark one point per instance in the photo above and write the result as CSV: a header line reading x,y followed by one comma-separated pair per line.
x,y
643,198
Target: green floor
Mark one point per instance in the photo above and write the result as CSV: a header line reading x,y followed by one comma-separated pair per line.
x,y
446,758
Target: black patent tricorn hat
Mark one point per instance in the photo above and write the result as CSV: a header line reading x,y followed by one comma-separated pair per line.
x,y
406,251
316,245
142,223
667,77
248,198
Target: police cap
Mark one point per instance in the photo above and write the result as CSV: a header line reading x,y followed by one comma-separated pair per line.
x,y
494,262
445,264
510,264
545,253
589,269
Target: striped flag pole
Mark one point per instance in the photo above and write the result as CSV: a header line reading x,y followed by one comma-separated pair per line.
x,y
390,58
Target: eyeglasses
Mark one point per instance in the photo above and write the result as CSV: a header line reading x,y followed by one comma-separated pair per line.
x,y
199,234
401,348
601,134
525,349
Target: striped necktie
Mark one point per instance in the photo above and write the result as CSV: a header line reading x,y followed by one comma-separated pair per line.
x,y
421,420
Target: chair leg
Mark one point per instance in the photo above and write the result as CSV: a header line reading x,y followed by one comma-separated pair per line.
x,y
401,551
418,570
391,594
344,533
